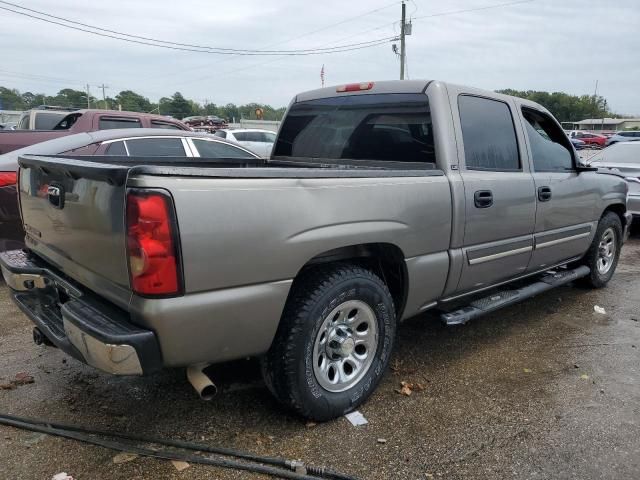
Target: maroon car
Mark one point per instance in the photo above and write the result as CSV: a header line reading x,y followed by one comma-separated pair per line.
x,y
86,121
125,142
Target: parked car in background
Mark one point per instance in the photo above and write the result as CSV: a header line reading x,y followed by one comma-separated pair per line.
x,y
42,118
628,136
209,123
578,144
85,121
381,200
589,138
128,142
623,158
257,140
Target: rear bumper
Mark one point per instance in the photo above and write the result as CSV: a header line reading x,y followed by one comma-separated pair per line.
x,y
83,326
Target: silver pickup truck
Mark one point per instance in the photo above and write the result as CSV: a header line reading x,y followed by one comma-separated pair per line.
x,y
380,201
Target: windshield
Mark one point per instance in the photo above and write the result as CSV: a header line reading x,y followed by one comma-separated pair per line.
x,y
619,153
386,127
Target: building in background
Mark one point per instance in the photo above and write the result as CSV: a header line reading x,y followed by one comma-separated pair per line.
x,y
607,124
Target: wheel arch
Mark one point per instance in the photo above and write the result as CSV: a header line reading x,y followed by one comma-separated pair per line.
x,y
619,209
386,260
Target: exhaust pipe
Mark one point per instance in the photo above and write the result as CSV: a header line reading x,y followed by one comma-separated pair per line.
x,y
201,381
40,338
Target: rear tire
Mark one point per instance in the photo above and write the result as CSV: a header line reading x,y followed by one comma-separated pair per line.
x,y
333,343
604,252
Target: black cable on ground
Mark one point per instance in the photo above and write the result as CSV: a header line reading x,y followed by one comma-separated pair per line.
x,y
83,434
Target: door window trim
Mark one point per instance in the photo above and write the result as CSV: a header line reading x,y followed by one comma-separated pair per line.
x,y
520,168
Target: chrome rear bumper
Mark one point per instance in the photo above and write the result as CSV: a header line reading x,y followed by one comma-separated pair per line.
x,y
82,325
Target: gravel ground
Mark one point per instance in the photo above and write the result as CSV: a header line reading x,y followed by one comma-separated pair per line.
x,y
545,389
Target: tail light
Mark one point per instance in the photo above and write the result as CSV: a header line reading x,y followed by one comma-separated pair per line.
x,y
8,178
354,87
152,244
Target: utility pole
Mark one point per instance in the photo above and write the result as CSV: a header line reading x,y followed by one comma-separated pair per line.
x,y
104,97
88,97
402,46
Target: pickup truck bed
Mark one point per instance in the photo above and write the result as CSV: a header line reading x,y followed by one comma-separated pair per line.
x,y
381,200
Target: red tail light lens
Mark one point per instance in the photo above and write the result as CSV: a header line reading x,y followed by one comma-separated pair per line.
x,y
151,243
8,178
354,87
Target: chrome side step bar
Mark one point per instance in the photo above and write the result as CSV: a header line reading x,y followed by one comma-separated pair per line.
x,y
504,298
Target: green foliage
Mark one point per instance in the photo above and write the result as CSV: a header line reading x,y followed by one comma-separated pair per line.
x,y
565,107
176,106
133,102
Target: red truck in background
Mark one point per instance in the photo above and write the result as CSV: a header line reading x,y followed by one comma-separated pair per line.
x,y
86,121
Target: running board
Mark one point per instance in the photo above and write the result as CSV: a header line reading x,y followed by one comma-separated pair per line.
x,y
504,298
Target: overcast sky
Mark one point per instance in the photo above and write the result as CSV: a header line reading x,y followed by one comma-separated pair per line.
x,y
553,45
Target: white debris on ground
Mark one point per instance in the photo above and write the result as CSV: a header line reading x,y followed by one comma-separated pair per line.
x,y
62,476
356,418
598,309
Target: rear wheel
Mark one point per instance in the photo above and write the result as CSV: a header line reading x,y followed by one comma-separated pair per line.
x,y
602,256
333,343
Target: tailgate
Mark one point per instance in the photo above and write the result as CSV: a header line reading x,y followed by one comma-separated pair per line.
x,y
73,215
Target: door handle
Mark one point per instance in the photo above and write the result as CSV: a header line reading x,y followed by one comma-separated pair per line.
x,y
483,198
544,194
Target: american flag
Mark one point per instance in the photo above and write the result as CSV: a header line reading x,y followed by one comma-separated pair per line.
x,y
322,74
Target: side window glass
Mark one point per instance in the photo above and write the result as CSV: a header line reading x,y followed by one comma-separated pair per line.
x,y
550,148
167,126
488,134
212,149
160,147
116,148
107,123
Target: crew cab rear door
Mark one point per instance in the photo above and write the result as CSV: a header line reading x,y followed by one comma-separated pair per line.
x,y
499,192
566,215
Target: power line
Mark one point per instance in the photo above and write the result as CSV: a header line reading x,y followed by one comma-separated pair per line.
x,y
186,47
476,9
327,27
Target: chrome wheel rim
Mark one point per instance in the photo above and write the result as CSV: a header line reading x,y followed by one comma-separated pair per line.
x,y
606,251
345,346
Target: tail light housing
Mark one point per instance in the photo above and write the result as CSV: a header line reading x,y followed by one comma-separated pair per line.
x,y
152,244
8,178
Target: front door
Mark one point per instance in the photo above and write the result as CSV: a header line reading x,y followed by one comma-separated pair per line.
x,y
499,194
566,216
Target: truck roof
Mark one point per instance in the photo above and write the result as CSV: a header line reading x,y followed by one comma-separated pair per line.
x,y
405,86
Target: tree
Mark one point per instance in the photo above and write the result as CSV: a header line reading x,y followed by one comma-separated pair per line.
x,y
10,99
177,106
565,107
68,97
133,102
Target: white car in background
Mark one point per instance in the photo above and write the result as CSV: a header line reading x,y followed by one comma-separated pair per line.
x,y
257,140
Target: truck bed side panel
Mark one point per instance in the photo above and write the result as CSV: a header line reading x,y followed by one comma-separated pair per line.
x,y
246,231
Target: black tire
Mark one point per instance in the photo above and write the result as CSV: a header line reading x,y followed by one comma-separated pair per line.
x,y
288,367
596,279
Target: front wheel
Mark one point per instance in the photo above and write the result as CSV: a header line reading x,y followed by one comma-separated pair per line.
x,y
604,252
333,343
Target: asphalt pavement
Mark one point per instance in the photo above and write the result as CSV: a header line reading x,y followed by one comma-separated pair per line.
x,y
547,389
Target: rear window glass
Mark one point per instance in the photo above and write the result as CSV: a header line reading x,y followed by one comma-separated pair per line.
x,y
488,134
221,134
385,127
48,120
160,147
107,123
